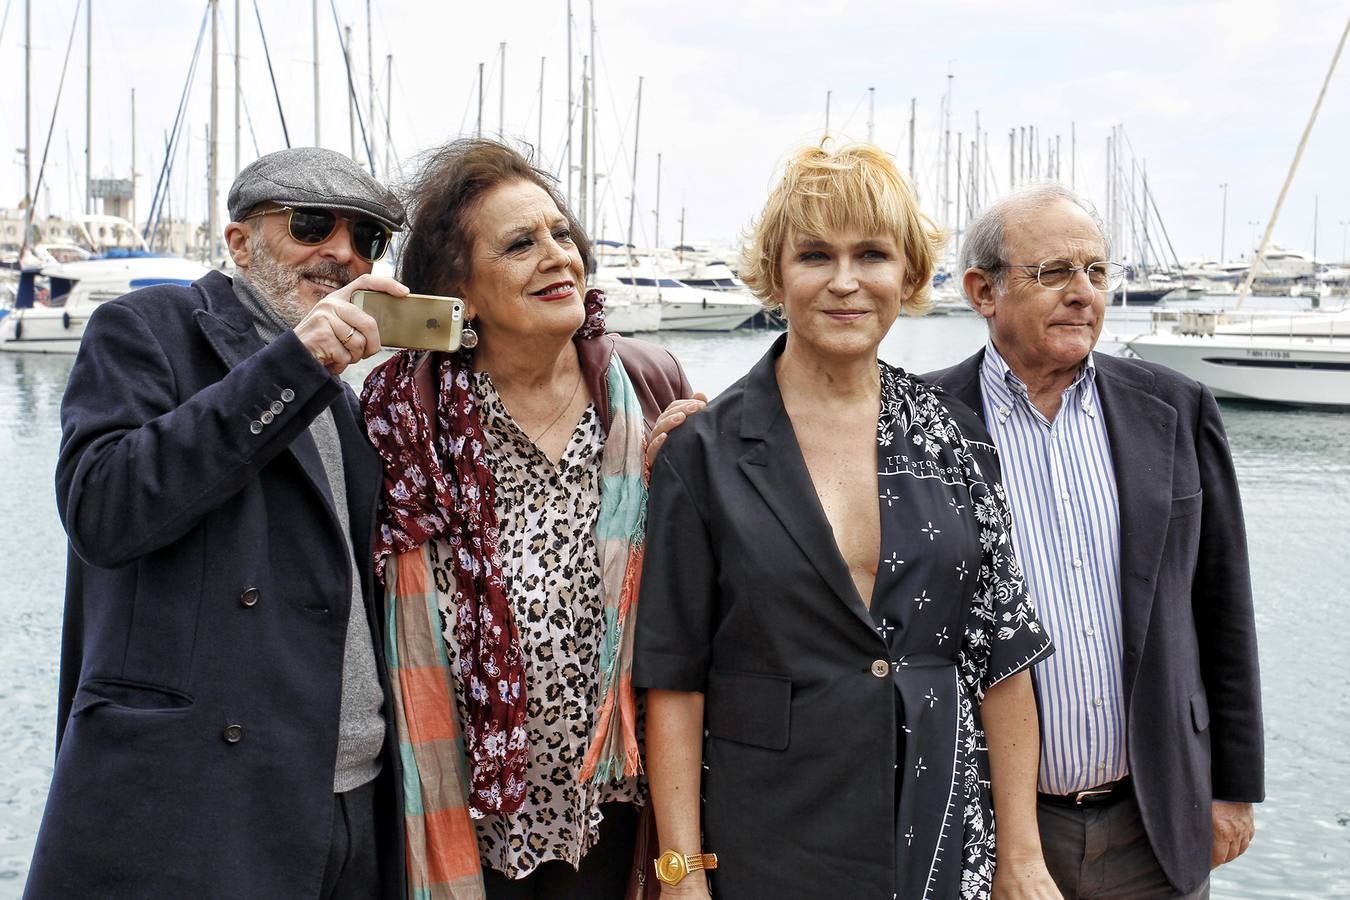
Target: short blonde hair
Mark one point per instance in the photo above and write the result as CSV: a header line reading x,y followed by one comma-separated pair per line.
x,y
855,187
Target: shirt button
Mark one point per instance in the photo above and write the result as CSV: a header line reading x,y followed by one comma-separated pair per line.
x,y
1101,765
233,734
1078,564
1089,631
1064,496
881,668
1098,701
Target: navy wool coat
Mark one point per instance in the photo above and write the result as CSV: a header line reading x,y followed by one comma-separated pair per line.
x,y
207,602
1193,695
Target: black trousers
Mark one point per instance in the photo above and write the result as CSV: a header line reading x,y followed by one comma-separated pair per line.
x,y
603,874
353,869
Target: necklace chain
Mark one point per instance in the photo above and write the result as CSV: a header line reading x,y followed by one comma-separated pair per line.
x,y
534,439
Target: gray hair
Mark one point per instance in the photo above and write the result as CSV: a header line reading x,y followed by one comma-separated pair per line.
x,y
983,246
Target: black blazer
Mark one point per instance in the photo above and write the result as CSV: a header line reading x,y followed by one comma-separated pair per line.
x,y
746,599
206,612
1193,710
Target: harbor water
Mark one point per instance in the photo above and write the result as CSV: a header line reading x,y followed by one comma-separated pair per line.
x,y
1294,473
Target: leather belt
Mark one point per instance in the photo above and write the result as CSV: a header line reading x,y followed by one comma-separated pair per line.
x,y
1102,795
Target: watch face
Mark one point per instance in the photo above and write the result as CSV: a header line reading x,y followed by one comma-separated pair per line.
x,y
671,867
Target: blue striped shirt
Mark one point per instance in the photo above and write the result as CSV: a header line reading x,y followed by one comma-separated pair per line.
x,y
1067,535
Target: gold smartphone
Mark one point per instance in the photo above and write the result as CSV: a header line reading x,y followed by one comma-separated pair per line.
x,y
416,322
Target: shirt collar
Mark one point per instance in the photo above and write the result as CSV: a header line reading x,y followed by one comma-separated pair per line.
x,y
997,376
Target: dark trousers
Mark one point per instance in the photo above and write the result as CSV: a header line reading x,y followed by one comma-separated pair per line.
x,y
1103,853
603,874
353,869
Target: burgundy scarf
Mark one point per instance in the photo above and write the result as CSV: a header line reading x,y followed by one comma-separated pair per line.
x,y
438,484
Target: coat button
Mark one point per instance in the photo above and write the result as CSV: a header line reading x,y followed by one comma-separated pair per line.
x,y
266,417
255,426
287,395
249,597
881,668
277,407
233,734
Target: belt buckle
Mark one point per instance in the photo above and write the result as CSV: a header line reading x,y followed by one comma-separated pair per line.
x,y
1081,796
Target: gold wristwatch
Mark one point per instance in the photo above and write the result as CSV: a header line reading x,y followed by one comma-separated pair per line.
x,y
672,866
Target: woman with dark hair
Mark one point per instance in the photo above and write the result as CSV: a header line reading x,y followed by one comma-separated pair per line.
x,y
511,542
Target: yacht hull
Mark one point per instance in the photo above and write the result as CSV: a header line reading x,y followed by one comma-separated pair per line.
x,y
42,330
1300,371
708,315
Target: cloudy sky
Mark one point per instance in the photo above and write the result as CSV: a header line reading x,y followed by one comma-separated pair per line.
x,y
1207,93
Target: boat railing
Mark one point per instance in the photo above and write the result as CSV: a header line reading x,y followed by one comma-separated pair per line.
x,y
1206,323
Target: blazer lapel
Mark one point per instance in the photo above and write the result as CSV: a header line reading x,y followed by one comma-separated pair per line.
x,y
228,328
962,382
775,467
1141,429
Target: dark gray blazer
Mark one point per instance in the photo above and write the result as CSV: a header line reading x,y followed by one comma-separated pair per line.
x,y
1191,677
207,601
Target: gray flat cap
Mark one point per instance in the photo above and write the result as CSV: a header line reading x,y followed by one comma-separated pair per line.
x,y
312,176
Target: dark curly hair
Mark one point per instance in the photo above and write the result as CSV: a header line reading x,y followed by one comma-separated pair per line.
x,y
441,199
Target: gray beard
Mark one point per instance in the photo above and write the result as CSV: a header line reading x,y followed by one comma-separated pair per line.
x,y
277,284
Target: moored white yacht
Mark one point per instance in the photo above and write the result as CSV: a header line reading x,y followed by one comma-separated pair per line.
x,y
1301,359
682,308
55,323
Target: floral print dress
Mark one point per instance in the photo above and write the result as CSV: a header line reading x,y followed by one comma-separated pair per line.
x,y
951,603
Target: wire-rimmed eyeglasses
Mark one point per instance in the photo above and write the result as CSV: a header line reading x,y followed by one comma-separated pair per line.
x,y
1055,274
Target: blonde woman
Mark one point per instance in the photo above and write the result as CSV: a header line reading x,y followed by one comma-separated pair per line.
x,y
833,625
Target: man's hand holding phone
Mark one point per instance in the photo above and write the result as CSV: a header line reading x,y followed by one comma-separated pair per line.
x,y
336,333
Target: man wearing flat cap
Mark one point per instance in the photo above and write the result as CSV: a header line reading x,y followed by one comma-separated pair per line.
x,y
223,724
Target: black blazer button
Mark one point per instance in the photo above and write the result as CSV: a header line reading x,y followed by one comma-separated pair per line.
x,y
233,734
249,597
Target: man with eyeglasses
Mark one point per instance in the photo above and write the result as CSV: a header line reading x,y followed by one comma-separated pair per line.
x,y
1128,524
223,724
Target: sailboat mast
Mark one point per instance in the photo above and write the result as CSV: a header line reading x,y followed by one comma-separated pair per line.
x,y
388,101
593,110
351,91
318,136
370,84
501,91
632,194
212,225
871,114
913,105
238,92
89,107
28,114
570,102
583,209
133,157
